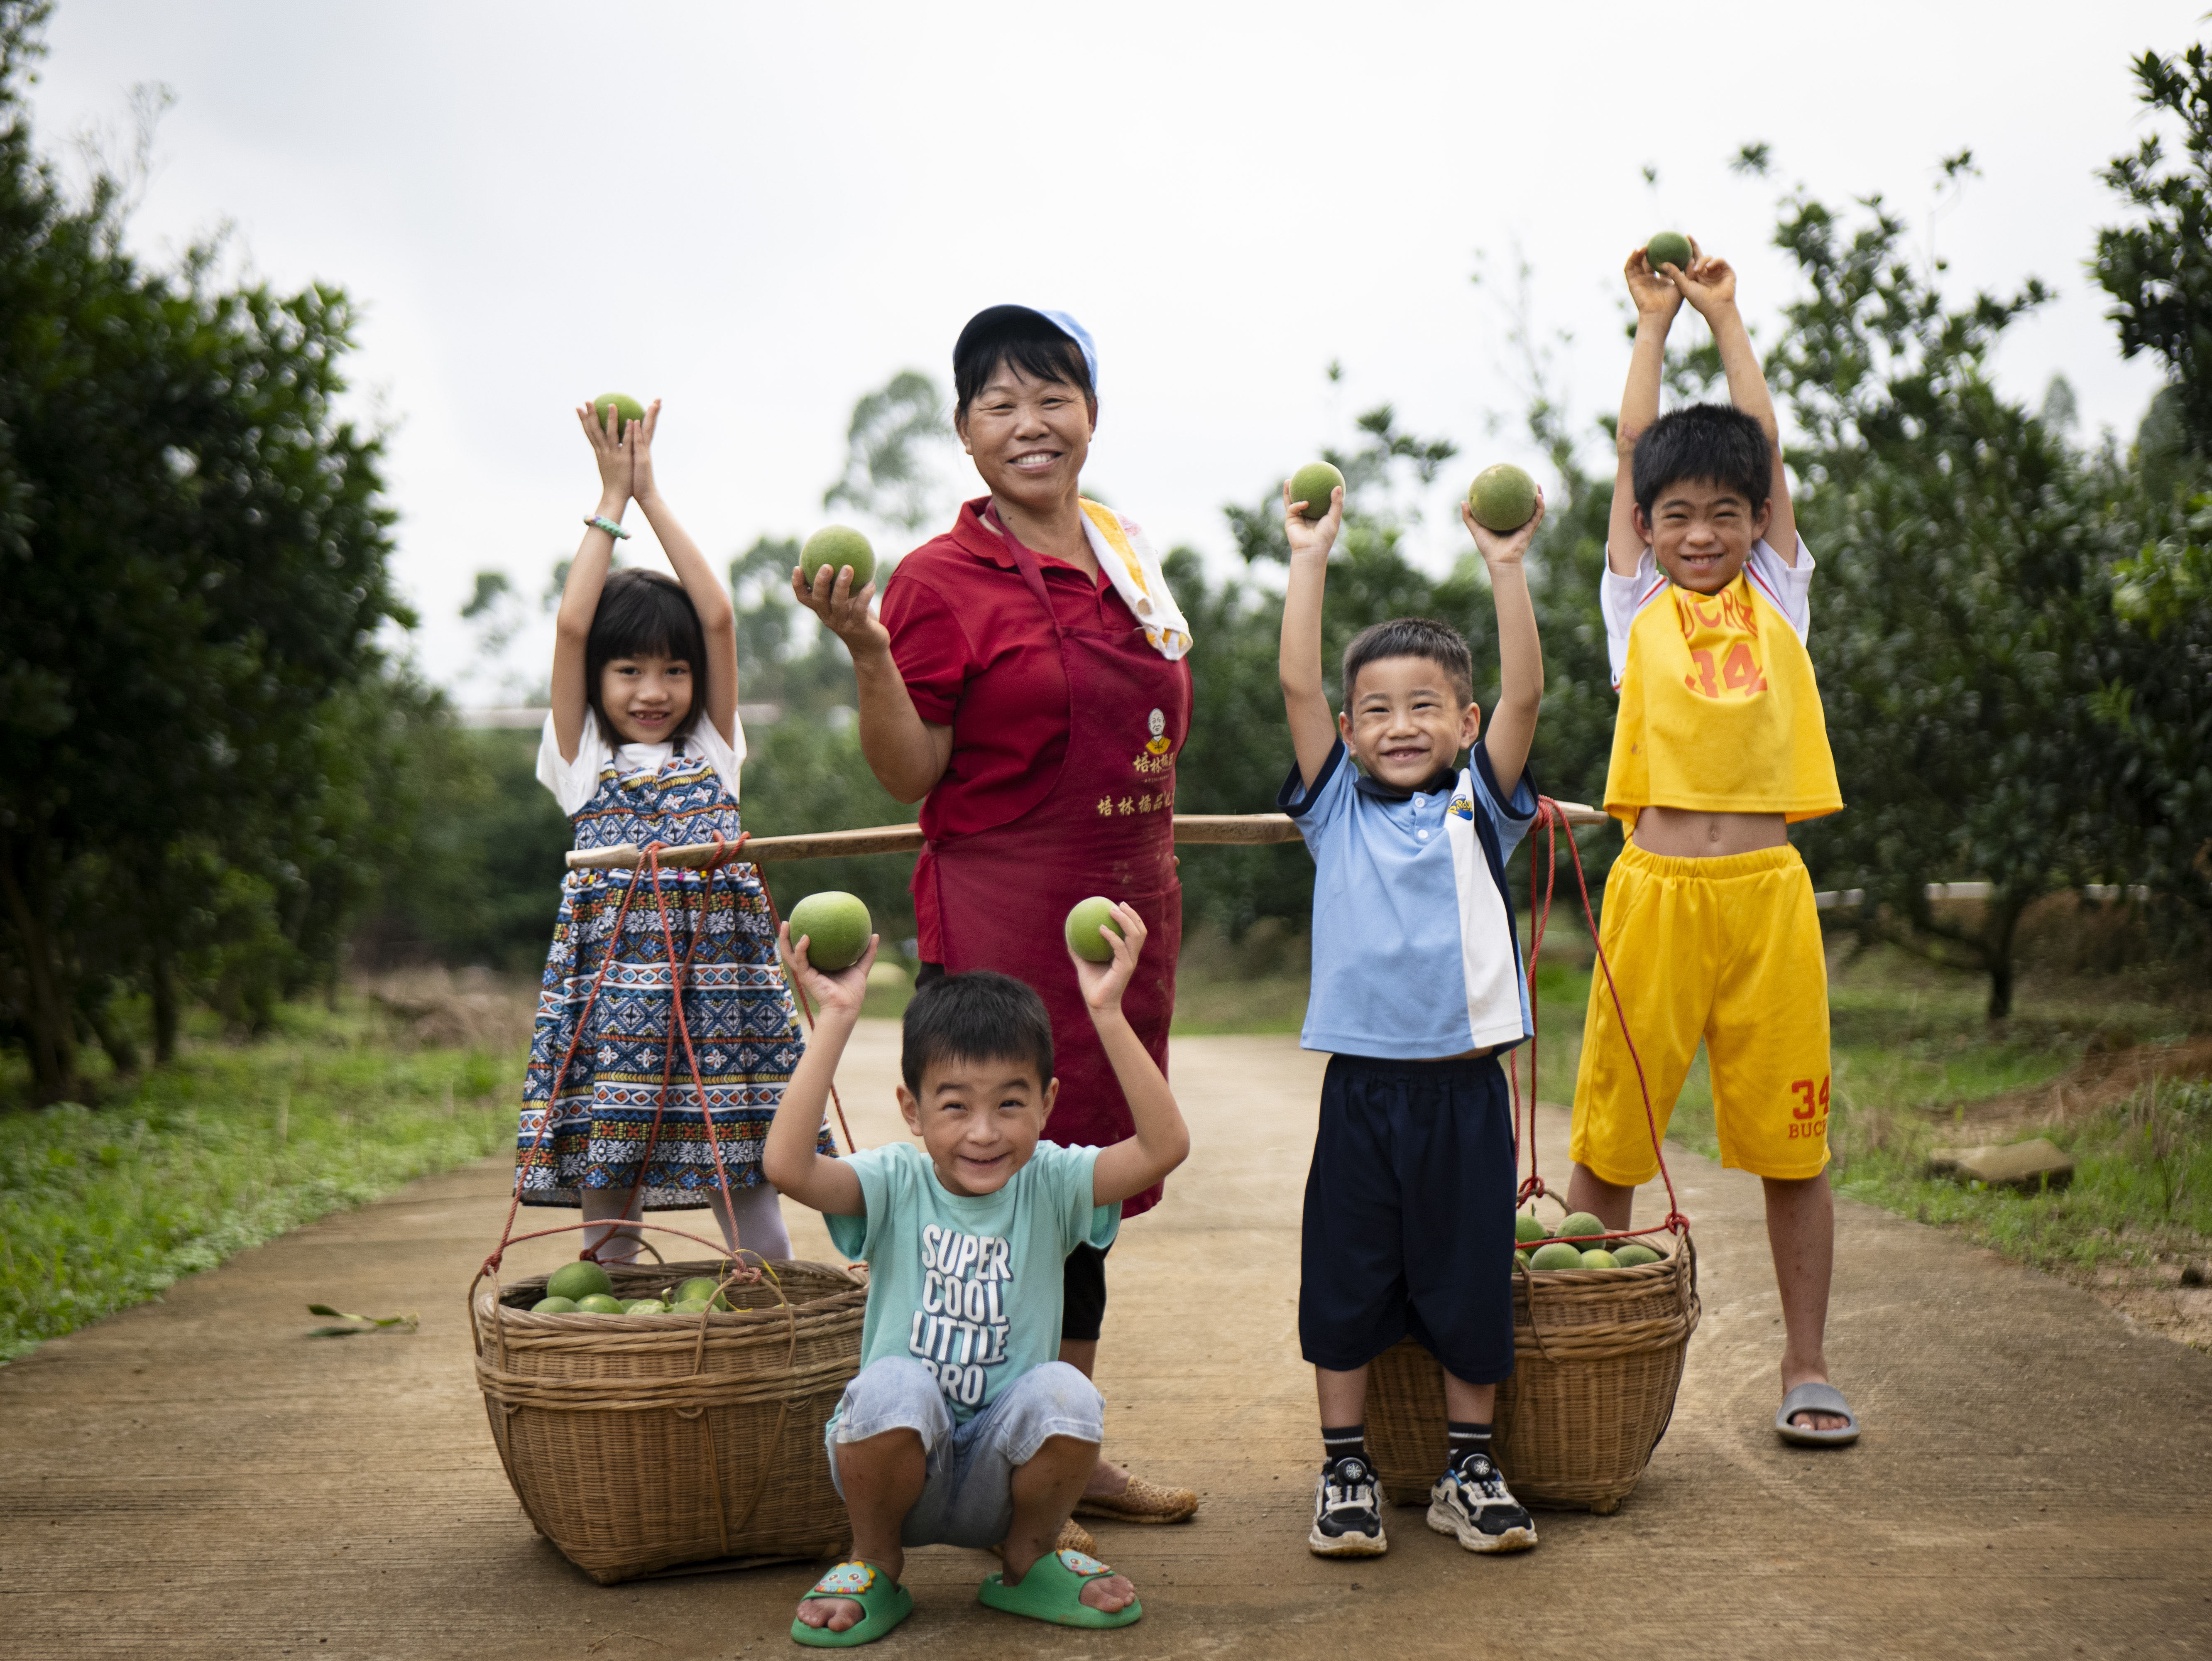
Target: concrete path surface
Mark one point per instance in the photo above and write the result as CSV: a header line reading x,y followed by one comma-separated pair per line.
x,y
196,1478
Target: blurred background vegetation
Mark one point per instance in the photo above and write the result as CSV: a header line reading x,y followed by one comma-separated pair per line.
x,y
226,804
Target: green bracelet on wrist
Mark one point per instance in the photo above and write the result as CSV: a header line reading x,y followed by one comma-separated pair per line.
x,y
601,522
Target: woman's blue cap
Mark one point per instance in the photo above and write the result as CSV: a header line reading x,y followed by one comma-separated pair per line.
x,y
1059,320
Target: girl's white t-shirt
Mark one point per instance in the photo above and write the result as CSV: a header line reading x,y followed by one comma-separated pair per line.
x,y
576,782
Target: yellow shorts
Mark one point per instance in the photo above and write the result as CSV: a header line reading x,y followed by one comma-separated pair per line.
x,y
1726,950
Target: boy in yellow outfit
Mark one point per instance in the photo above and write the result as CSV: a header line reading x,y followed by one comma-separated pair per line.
x,y
1709,925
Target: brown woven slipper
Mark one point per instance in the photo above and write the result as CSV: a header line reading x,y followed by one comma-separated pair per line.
x,y
1140,1502
1073,1537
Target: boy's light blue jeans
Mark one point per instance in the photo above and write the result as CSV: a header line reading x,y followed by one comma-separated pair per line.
x,y
968,1497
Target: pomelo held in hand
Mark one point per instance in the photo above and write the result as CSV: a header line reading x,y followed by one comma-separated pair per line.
x,y
836,928
837,546
1083,923
626,407
1667,248
1311,484
1502,498
579,1280
1579,1225
1526,1227
1556,1255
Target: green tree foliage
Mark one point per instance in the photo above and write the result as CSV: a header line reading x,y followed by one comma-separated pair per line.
x,y
889,474
2158,269
193,552
1962,544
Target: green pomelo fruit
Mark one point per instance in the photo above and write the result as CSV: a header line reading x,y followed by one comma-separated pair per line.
x,y
1311,484
690,1306
578,1280
1667,248
1598,1257
1083,923
646,1307
1557,1255
1502,498
626,407
630,1304
699,1288
1634,1256
1527,1228
598,1303
835,926
1579,1225
1520,1259
553,1306
837,546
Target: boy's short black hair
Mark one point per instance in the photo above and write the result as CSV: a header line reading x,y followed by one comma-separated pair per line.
x,y
1029,341
644,614
1411,637
1715,441
980,1016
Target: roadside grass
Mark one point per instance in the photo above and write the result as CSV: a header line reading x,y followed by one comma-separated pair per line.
x,y
229,1146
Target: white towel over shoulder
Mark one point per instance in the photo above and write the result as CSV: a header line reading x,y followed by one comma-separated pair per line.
x,y
1124,554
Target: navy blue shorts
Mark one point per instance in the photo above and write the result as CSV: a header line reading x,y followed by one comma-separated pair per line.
x,y
1409,1217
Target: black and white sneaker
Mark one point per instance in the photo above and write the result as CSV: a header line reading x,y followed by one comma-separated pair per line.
x,y
1472,1502
1346,1521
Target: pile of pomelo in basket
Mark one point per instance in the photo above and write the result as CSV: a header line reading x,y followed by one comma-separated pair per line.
x,y
650,1415
1600,1325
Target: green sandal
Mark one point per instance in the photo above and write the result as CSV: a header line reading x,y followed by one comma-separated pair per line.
x,y
883,1606
1053,1591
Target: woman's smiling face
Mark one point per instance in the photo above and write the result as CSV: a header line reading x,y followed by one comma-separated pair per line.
x,y
1029,438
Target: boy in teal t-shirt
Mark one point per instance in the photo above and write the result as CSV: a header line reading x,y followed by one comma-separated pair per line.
x,y
962,1427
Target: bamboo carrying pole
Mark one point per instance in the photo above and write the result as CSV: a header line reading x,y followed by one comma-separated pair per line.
x,y
1215,829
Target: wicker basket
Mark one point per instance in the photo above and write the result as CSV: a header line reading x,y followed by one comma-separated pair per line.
x,y
640,1442
1594,1379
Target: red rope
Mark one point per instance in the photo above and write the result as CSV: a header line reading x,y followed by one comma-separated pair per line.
x,y
1552,819
680,977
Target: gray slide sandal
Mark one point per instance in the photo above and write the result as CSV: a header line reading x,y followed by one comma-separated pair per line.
x,y
1816,1398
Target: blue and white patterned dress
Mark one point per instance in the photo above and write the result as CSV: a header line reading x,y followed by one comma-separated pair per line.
x,y
745,1030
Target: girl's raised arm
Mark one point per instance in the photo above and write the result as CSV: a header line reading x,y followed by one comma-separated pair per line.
x,y
718,618
587,575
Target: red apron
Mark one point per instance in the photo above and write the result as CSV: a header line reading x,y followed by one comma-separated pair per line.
x,y
1106,827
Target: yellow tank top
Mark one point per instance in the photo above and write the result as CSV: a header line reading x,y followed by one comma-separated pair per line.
x,y
1719,711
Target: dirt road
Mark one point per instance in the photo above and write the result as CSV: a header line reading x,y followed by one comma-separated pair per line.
x,y
196,1478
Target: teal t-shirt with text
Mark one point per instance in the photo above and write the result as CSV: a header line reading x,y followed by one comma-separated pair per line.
x,y
969,1286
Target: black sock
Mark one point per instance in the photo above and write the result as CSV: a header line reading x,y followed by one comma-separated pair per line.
x,y
1348,1441
1466,1439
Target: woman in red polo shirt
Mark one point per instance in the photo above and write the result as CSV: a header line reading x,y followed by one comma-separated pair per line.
x,y
1026,684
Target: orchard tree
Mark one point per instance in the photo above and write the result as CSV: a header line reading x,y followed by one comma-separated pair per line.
x,y
194,554
1962,547
2158,269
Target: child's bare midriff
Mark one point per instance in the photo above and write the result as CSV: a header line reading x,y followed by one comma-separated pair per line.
x,y
1695,833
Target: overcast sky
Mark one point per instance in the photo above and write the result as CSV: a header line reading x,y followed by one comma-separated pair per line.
x,y
758,213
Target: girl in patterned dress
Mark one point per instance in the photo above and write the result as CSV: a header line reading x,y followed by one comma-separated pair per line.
x,y
642,745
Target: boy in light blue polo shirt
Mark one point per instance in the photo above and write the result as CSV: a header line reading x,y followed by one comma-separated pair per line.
x,y
1417,987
